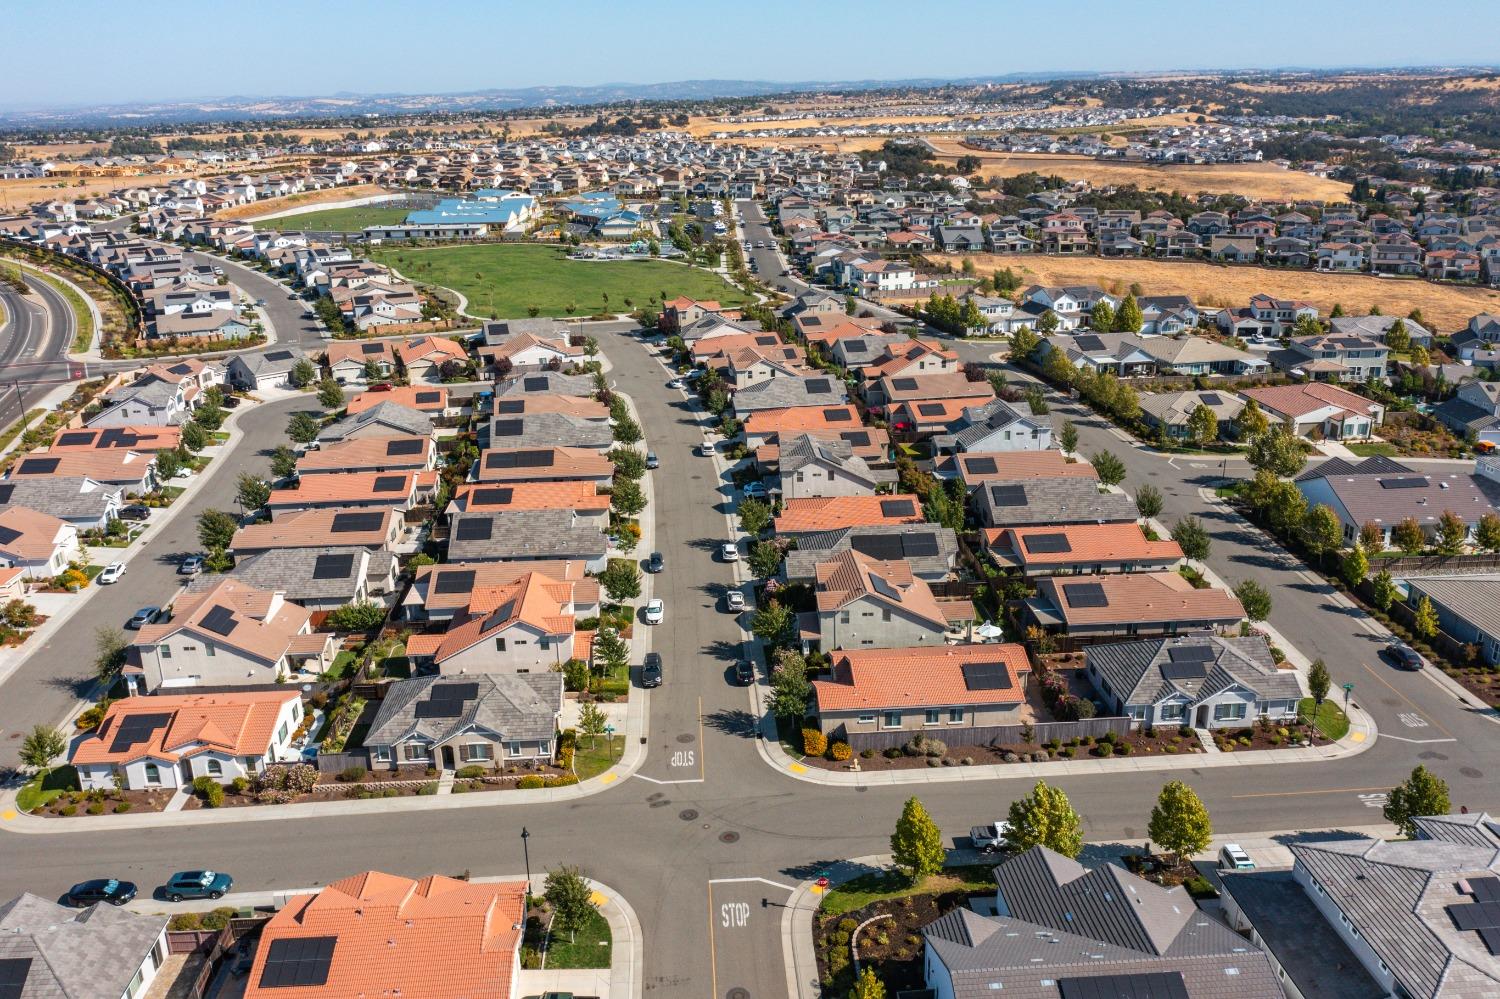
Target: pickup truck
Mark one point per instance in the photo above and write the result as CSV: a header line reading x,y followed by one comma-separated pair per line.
x,y
989,839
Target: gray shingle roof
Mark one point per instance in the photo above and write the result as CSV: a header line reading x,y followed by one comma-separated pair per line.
x,y
546,383
1475,599
398,418
1134,670
76,954
548,430
512,706
802,561
272,361
782,393
979,422
1468,828
63,496
1053,501
291,571
1364,497
526,534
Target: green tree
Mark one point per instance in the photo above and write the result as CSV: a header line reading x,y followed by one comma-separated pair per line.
x,y
216,529
1148,501
302,428
194,437
773,623
252,491
621,580
1068,437
1321,531
765,559
592,721
917,843
1397,338
1203,425
628,432
1044,817
1111,469
755,516
1452,533
168,464
1354,567
1408,537
1425,623
1192,537
1420,357
1102,317
1251,421
283,462
1372,536
330,394
629,463
1048,323
1254,598
790,690
1487,532
1128,318
868,985
610,652
1318,682
1338,311
109,652
1423,793
359,615
571,899
1277,450
1024,343
1383,590
210,415
627,498
303,373
370,372
1180,822
42,745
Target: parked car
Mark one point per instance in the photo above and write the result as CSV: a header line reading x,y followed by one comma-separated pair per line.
x,y
197,884
143,617
989,839
1232,857
86,893
1405,656
734,601
755,490
729,552
675,383
655,563
651,460
135,512
744,672
190,566
651,673
656,611
112,573
707,449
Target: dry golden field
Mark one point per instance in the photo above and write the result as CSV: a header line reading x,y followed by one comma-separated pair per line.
x,y
1444,307
274,206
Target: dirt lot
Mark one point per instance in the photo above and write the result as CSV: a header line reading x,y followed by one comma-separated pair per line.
x,y
1445,307
274,206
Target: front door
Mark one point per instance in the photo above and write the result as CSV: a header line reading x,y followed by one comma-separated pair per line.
x,y
448,758
1203,716
187,772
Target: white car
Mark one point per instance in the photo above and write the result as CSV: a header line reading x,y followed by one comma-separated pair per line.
x,y
112,573
729,551
674,384
656,611
707,449
734,601
1233,857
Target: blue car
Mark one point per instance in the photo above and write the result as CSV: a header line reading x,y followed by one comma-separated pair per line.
x,y
197,884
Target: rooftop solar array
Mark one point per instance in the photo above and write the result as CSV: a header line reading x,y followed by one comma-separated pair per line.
x,y
347,523
1212,399
507,428
333,566
818,386
474,529
76,438
298,962
13,974
510,406
1047,544
400,446
136,729
6,489
1008,495
1485,889
519,459
931,409
986,676
279,355
1089,343
1476,915
219,620
1190,654
372,348
429,397
39,466
837,415
897,508
1184,671
493,496
856,438
1084,595
1409,482
981,466
389,483
456,581
885,589
535,383
904,384
8,534
1148,985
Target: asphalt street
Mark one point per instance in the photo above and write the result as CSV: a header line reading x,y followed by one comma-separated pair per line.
x,y
696,843
33,345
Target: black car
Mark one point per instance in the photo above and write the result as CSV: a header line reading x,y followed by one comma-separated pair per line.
x,y
654,563
651,670
1405,656
135,512
744,672
109,890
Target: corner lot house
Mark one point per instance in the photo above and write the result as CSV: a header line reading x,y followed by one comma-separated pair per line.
x,y
38,544
376,934
958,693
867,603
1384,492
48,950
1125,605
1318,409
263,370
483,719
169,740
1200,680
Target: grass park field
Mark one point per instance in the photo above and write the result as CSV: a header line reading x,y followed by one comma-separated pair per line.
x,y
505,281
1445,308
336,219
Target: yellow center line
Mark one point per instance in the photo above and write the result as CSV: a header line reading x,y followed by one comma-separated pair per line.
x,y
1289,794
713,960
1408,700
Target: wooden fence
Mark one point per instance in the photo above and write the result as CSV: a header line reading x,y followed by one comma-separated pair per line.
x,y
1007,735
335,763
1406,565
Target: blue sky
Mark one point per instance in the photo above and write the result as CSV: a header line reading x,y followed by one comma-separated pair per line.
x,y
134,52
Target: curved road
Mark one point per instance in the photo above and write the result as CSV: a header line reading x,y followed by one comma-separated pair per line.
x,y
34,344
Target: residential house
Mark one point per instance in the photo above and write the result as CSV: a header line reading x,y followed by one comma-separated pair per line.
x,y
582,497
78,500
1118,606
386,419
1337,357
267,369
1171,412
864,602
1384,492
404,453
1079,549
51,950
490,720
522,626
1466,607
976,468
38,544
429,400
133,471
142,439
788,392
441,592
349,360
352,490
543,464
817,514
543,430
1473,412
424,357
1377,328
526,535
809,466
378,530
993,427
1054,501
1318,409
929,550
318,579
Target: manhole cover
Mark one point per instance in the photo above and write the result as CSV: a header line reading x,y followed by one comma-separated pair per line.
x,y
686,737
729,837
663,802
687,814
1430,755
1471,773
737,993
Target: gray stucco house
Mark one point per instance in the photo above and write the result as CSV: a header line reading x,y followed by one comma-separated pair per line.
x,y
483,719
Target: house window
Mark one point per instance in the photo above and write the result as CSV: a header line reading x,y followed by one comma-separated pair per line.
x,y
1173,712
866,719
382,754
955,716
843,617
885,615
544,643
215,768
153,774
499,645
281,733
512,749
932,717
1229,712
165,651
891,719
208,649
414,751
478,751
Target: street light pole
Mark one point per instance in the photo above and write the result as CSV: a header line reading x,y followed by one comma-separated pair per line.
x,y
526,851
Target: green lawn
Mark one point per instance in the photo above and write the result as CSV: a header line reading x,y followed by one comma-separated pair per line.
x,y
342,663
336,219
883,885
45,787
591,761
506,281
1372,449
1330,719
591,949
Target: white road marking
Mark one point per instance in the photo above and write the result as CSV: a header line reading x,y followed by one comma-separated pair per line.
x,y
1417,742
695,780
764,881
1412,720
1376,800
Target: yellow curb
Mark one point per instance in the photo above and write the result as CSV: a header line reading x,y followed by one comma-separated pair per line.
x,y
1357,737
796,768
598,899
816,890
609,778
8,814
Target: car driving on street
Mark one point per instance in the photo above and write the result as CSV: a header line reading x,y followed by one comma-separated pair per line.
x,y
197,884
112,573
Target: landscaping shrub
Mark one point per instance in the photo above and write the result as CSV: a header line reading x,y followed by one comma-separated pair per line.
x,y
1125,749
293,778
68,810
530,782
186,921
933,761
840,751
239,785
427,790
893,753
218,918
352,775
97,808
814,743
319,700
934,747
273,796
560,780
866,754
967,761
1104,749
122,807
471,772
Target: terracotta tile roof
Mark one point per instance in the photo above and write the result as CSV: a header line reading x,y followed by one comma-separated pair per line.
x,y
261,623
350,489
565,494
919,677
360,351
433,349
523,341
942,386
850,576
108,466
313,529
435,938
898,358
240,724
1299,400
1016,465
721,346
825,513
31,535
824,330
932,413
494,574
429,399
359,454
538,601
1140,598
543,464
145,439
799,418
1085,543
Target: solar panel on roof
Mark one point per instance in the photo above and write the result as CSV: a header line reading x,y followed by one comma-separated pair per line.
x,y
1184,671
39,466
885,547
372,348
389,483
474,529
980,466
279,355
1089,343
904,384
428,396
1410,482
1047,544
919,545
458,581
535,459
986,676
399,446
333,566
136,729
1084,595
438,709
897,508
1008,495
6,490
1491,937
1485,889
885,589
1149,985
931,409
219,620
1212,399
1190,654
454,691
298,962
495,496
857,438
1476,915
13,974
75,438
818,386
346,523
534,383
507,428
8,534
510,406
837,415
